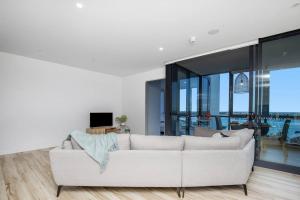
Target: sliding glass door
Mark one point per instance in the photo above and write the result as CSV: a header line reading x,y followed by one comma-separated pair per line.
x,y
278,100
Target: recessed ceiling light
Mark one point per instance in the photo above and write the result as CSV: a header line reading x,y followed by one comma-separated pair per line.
x,y
213,31
295,5
79,5
160,48
192,39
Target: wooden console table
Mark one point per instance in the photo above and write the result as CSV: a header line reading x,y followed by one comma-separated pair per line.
x,y
102,130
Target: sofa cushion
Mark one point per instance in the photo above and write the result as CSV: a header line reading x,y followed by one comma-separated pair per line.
x,y
143,142
204,132
228,132
124,141
219,135
245,136
211,143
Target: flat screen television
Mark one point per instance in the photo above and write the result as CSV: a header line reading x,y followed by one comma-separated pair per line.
x,y
101,119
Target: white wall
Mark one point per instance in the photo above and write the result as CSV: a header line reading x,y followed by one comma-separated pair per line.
x,y
134,98
41,102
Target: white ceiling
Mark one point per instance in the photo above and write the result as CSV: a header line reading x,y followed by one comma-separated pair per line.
x,y
122,37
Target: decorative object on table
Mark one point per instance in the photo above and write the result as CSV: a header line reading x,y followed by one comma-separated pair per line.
x,y
207,115
241,84
121,120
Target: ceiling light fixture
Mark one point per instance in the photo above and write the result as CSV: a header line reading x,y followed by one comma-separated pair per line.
x,y
79,5
241,84
160,48
192,39
213,31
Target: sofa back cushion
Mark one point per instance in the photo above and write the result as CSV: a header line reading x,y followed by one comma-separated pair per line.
x,y
245,136
123,142
211,143
143,142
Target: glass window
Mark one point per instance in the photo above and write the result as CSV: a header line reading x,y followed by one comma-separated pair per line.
x,y
183,85
285,83
205,94
194,86
224,94
182,98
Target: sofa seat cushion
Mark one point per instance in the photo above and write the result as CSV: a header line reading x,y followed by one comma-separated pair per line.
x,y
143,142
211,143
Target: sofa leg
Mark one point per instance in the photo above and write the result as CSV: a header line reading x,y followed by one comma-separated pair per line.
x,y
245,189
178,190
58,190
252,169
182,189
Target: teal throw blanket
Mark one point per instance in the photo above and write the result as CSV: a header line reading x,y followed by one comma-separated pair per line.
x,y
97,146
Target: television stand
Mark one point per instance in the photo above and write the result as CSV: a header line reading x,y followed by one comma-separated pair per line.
x,y
102,130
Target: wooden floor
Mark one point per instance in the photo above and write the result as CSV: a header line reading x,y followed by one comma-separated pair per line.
x,y
27,176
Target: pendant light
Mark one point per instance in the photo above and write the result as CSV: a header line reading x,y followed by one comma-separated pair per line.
x,y
241,84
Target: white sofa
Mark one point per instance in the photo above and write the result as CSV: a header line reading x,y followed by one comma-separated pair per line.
x,y
160,161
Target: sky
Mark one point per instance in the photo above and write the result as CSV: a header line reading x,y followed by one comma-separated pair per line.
x,y
240,101
285,90
224,92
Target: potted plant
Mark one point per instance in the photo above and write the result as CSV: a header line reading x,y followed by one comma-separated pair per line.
x,y
121,120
